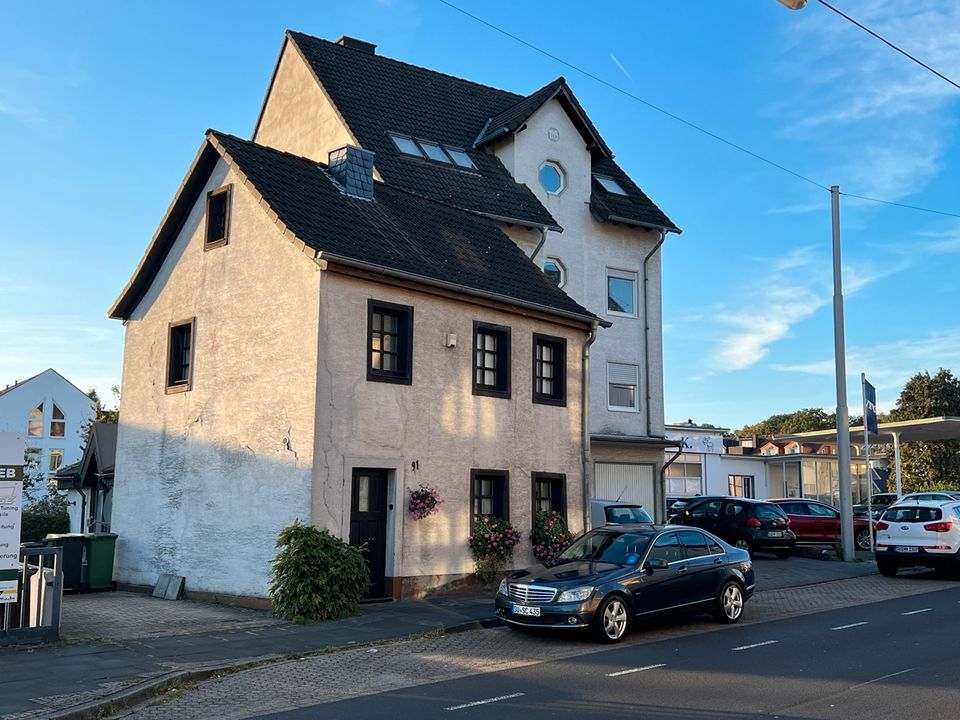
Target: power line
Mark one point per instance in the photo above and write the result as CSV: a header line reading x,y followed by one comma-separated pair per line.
x,y
688,123
637,98
887,42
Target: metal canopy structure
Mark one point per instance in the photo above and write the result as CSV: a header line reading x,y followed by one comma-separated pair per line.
x,y
934,428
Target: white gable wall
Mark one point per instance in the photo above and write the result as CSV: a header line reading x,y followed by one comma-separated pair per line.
x,y
47,388
587,248
205,479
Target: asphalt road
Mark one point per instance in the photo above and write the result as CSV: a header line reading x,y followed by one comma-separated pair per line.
x,y
892,659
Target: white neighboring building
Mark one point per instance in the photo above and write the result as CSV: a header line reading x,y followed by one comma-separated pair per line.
x,y
705,467
50,411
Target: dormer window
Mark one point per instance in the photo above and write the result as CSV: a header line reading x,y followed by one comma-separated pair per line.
x,y
406,145
610,185
552,178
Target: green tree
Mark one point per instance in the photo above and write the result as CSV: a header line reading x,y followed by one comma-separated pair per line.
x,y
929,464
805,420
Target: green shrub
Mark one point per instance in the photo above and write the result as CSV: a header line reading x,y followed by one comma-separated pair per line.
x,y
43,517
316,576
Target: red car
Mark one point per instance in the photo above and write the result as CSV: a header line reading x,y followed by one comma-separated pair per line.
x,y
816,522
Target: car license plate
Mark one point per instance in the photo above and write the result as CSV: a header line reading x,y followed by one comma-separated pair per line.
x,y
775,533
526,610
906,549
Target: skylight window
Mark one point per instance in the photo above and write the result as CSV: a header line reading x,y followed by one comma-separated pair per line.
x,y
434,152
610,185
406,145
460,157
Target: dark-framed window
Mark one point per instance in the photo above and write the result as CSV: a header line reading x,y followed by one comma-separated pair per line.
x,y
549,370
180,356
549,493
491,360
489,494
389,342
218,217
740,485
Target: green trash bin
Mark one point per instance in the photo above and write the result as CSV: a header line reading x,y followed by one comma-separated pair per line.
x,y
97,572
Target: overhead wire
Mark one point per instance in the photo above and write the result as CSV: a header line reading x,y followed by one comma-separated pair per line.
x,y
887,42
688,123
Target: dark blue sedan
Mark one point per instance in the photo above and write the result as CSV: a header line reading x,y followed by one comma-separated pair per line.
x,y
616,574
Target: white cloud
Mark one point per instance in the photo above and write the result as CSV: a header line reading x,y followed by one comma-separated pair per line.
x,y
800,208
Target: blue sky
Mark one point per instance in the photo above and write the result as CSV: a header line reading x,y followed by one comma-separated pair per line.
x,y
103,106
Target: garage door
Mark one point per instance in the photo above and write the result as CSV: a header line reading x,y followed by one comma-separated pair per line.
x,y
629,483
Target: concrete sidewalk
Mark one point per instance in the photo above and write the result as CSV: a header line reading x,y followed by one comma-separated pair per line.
x,y
119,645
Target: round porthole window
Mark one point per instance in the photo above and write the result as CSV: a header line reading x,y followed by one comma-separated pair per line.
x,y
554,270
551,177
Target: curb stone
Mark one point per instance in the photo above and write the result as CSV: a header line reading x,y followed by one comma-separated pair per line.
x,y
155,686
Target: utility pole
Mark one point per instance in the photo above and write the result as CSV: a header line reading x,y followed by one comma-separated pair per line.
x,y
843,422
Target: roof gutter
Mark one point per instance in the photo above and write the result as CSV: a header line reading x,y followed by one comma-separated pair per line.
x,y
515,221
646,324
639,223
454,287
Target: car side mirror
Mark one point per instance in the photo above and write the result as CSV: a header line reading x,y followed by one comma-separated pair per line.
x,y
656,564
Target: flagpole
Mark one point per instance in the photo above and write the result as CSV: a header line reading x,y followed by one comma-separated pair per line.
x,y
866,448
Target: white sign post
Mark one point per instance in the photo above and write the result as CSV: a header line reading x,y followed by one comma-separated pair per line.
x,y
11,497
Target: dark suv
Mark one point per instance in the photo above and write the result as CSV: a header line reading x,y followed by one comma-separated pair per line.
x,y
752,525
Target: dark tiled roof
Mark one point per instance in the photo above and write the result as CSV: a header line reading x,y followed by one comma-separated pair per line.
x,y
635,206
398,230
377,95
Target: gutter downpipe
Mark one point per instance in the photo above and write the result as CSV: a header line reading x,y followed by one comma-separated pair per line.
x,y
543,239
585,455
646,325
662,504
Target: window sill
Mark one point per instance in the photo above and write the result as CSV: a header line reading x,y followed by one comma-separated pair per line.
x,y
174,389
393,379
623,409
613,313
547,400
491,392
215,244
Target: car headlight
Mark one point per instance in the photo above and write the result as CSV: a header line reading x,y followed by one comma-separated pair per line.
x,y
504,588
576,595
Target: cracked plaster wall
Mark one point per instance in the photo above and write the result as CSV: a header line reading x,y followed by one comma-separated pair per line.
x,y
205,479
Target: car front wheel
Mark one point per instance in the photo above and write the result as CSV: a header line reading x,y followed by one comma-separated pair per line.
x,y
610,623
729,604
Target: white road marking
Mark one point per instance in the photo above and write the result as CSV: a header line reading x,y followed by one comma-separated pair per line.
x,y
636,670
870,682
914,612
747,647
846,627
484,702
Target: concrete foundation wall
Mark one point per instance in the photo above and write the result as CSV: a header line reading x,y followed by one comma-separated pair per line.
x,y
436,430
205,479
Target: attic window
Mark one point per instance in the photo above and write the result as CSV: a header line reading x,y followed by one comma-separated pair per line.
x,y
434,152
406,145
610,185
218,217
460,157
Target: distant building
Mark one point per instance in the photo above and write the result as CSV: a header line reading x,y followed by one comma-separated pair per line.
x,y
51,412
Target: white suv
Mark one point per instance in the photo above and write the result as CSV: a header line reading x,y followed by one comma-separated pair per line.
x,y
925,533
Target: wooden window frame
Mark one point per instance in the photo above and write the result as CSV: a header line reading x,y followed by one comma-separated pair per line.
x,y
559,345
209,244
561,482
188,385
404,376
504,354
476,474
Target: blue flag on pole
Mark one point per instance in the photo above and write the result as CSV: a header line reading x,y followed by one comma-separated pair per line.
x,y
870,403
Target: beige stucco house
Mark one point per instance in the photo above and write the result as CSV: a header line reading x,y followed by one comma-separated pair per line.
x,y
381,289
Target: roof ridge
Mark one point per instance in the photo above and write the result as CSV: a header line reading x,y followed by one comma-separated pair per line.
x,y
411,65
